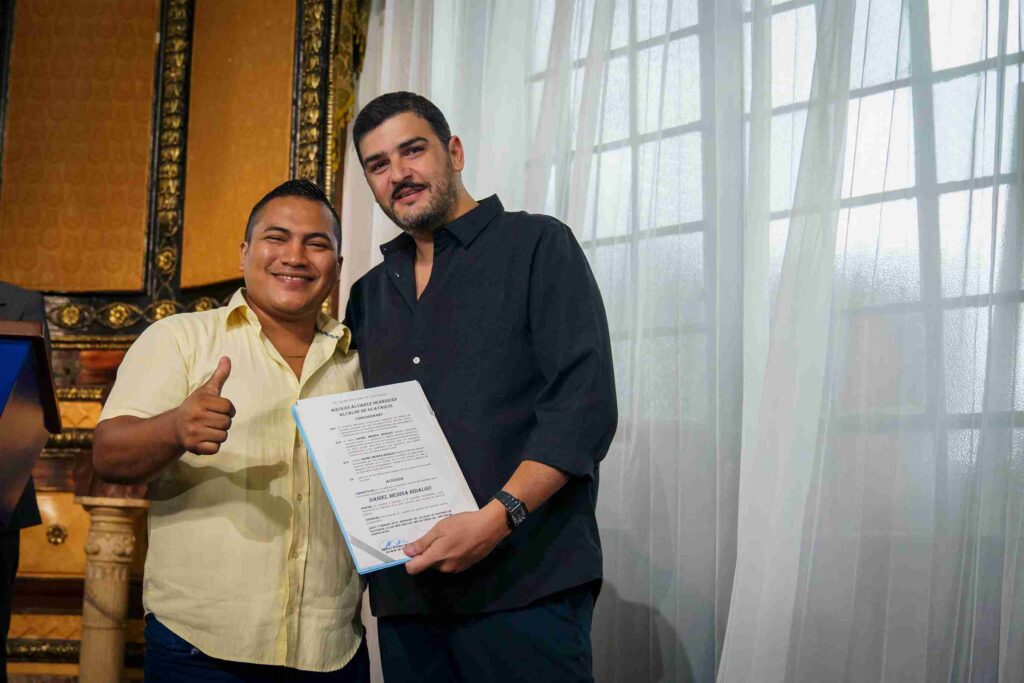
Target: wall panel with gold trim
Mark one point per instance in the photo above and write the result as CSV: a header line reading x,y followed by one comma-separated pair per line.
x,y
123,307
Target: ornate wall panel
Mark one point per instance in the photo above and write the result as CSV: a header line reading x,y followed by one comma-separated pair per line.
x,y
95,317
239,126
76,160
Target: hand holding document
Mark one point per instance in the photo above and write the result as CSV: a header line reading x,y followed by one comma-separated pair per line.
x,y
386,467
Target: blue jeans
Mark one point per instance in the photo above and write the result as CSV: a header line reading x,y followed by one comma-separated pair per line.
x,y
548,641
172,659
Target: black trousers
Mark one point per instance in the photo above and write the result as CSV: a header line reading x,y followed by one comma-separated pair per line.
x,y
547,641
10,543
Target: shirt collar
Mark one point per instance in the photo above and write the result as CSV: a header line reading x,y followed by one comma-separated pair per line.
x,y
465,228
327,327
470,224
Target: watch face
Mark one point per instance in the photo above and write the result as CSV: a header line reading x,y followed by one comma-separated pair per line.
x,y
518,514
515,508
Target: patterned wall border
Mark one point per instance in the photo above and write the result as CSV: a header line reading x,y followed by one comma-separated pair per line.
x,y
63,651
314,33
52,651
93,342
168,193
80,393
330,152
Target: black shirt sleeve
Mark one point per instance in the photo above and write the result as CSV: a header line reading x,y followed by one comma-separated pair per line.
x,y
575,411
353,319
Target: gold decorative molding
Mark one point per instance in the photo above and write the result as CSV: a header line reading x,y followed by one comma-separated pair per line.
x,y
80,393
92,342
171,152
71,316
53,652
329,151
56,534
120,315
308,154
206,303
166,259
71,439
159,310
33,650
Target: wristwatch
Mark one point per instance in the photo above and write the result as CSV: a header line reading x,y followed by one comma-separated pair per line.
x,y
515,509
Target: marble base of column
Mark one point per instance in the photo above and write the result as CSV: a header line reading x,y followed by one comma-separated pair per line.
x,y
108,551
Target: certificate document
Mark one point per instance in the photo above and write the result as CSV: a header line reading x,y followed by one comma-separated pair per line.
x,y
386,467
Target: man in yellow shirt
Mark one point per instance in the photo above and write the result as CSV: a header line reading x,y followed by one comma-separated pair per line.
x,y
247,574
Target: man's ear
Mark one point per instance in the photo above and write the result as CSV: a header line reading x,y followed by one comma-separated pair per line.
x,y
243,251
457,153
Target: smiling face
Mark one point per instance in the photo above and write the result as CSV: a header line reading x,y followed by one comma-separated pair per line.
x,y
291,260
413,175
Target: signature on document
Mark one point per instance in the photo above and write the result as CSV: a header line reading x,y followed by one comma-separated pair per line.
x,y
392,544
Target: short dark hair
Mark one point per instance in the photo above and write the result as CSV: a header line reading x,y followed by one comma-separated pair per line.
x,y
303,189
382,108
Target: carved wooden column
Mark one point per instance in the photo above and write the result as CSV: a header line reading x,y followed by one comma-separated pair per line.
x,y
108,552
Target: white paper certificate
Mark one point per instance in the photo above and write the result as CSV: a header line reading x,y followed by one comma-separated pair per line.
x,y
386,467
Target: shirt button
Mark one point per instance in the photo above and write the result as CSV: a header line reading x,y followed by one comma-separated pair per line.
x,y
416,360
299,496
295,555
397,275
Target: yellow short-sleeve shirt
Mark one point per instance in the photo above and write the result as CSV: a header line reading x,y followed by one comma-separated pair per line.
x,y
246,561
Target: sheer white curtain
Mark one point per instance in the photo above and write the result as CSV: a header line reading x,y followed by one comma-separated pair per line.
x,y
805,219
880,506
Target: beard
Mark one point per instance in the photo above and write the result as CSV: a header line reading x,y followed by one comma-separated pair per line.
x,y
431,217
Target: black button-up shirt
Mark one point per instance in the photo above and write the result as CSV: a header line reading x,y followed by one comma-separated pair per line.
x,y
510,343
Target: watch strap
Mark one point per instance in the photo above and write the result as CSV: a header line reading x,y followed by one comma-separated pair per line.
x,y
515,509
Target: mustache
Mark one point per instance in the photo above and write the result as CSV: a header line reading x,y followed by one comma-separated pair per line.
x,y
407,186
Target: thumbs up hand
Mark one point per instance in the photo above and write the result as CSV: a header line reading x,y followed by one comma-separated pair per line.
x,y
203,419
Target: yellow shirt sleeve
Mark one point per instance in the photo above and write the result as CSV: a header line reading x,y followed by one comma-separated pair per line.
x,y
152,378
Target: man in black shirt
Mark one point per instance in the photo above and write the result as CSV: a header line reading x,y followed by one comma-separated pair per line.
x,y
499,318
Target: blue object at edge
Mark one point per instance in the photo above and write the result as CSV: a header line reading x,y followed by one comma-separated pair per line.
x,y
12,359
